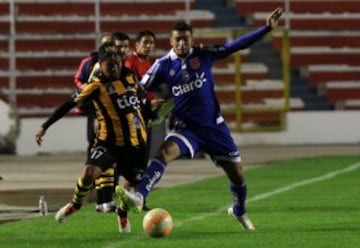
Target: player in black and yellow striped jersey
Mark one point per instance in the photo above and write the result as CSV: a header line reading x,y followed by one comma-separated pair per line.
x,y
122,132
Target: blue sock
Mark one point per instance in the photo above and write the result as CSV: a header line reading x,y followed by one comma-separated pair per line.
x,y
239,196
152,176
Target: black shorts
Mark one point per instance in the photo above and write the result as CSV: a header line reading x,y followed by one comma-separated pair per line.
x,y
130,161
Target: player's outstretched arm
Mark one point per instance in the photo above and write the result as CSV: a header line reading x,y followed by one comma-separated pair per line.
x,y
272,19
56,115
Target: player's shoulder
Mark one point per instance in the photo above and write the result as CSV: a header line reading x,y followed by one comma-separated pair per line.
x,y
128,76
164,59
95,80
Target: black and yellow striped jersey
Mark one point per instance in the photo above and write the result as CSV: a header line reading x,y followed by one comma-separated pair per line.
x,y
118,109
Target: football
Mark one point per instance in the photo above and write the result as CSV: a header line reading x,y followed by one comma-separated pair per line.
x,y
157,223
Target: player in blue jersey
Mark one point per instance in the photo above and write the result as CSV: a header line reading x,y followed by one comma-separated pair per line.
x,y
187,73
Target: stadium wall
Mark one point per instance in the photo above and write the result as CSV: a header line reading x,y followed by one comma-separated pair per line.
x,y
315,127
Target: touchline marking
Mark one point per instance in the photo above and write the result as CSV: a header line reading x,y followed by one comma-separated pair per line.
x,y
278,191
304,182
252,199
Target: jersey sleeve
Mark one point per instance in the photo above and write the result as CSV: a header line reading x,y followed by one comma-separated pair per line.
x,y
153,77
79,96
87,92
59,113
241,42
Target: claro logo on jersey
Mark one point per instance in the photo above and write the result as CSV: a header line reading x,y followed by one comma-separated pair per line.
x,y
126,101
181,89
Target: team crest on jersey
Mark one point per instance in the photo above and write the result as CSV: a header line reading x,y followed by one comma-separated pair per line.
x,y
194,63
172,72
110,89
185,75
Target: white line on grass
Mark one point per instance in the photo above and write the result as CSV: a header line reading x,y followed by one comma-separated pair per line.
x,y
253,199
278,191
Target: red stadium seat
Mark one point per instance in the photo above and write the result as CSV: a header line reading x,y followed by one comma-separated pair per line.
x,y
339,91
333,39
319,74
304,56
247,7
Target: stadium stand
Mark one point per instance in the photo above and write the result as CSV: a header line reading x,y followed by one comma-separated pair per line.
x,y
48,51
248,7
340,91
325,47
318,74
52,38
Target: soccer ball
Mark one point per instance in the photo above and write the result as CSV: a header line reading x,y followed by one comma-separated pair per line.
x,y
157,223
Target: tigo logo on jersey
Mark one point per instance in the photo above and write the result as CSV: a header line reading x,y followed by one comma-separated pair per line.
x,y
181,89
125,101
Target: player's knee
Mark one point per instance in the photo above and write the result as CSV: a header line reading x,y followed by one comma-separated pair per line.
x,y
169,151
91,173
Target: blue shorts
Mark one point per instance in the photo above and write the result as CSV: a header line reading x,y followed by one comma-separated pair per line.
x,y
215,141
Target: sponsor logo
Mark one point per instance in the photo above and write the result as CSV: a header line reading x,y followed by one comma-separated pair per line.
x,y
126,101
153,180
110,89
184,88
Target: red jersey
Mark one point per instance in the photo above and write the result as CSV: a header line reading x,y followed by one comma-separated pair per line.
x,y
139,67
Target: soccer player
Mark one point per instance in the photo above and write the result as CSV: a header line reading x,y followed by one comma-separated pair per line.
x,y
104,185
199,125
122,135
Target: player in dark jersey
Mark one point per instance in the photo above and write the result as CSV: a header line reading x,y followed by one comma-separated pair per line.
x,y
187,72
122,135
104,184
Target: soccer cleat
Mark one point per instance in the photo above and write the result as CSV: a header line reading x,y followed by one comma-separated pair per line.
x,y
98,207
64,212
243,219
133,201
107,207
124,224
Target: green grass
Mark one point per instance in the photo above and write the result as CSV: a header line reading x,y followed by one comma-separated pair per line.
x,y
310,202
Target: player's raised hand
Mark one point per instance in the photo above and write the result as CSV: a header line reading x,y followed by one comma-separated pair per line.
x,y
273,18
39,135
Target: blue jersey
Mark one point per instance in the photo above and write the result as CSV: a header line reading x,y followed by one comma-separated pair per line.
x,y
190,81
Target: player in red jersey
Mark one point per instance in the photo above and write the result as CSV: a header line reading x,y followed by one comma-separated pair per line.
x,y
140,60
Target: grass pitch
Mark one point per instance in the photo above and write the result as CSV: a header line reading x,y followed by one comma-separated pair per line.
x,y
311,202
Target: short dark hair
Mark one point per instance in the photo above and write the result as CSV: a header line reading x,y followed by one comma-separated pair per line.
x,y
120,36
108,50
182,26
143,33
